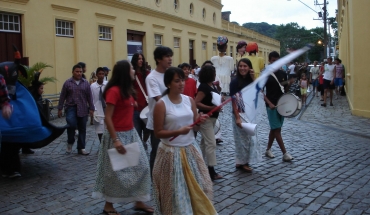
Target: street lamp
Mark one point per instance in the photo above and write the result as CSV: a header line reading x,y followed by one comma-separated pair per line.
x,y
317,34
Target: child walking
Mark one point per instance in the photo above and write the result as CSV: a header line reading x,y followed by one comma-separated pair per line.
x,y
303,84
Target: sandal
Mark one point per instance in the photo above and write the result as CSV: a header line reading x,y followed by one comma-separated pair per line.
x,y
244,167
110,212
147,209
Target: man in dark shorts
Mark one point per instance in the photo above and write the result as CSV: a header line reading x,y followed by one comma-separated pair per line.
x,y
272,92
329,75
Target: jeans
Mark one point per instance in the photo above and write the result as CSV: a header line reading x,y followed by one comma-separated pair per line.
x,y
140,125
76,122
154,142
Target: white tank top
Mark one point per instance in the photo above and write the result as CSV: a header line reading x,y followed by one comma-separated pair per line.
x,y
177,116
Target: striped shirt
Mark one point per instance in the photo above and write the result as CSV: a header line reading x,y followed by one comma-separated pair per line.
x,y
76,95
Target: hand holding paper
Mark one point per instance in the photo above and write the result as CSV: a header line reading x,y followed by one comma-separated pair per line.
x,y
122,161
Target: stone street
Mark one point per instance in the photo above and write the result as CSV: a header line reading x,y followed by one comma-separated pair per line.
x,y
329,175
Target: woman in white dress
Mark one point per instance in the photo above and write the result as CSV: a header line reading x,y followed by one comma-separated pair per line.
x,y
223,64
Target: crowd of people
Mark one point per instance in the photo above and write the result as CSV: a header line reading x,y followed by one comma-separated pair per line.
x,y
325,77
176,102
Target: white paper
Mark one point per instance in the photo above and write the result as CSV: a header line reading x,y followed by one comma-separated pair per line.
x,y
216,99
129,159
250,128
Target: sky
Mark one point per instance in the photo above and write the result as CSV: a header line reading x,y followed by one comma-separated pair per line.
x,y
278,11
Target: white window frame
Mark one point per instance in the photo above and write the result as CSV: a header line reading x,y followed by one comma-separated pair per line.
x,y
10,20
214,47
105,33
204,45
176,4
158,39
64,26
176,42
191,9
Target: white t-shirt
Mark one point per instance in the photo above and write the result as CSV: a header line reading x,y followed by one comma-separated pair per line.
x,y
315,72
329,72
177,116
155,86
291,69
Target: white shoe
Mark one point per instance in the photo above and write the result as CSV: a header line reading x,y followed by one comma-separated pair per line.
x,y
76,133
287,157
269,154
69,148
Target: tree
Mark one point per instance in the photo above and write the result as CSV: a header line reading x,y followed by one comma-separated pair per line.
x,y
33,73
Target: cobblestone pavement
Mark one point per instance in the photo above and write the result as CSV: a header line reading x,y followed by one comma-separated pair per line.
x,y
329,175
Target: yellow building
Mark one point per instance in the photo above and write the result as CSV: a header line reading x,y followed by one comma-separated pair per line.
x,y
101,32
354,47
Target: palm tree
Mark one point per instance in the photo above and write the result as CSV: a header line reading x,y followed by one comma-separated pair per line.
x,y
33,74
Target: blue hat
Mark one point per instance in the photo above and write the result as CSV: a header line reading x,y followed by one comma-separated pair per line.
x,y
106,68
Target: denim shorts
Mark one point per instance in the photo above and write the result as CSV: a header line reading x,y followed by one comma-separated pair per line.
x,y
338,82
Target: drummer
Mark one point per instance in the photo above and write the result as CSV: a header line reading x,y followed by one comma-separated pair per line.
x,y
272,94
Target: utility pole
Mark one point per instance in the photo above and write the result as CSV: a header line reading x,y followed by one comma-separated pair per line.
x,y
325,28
325,33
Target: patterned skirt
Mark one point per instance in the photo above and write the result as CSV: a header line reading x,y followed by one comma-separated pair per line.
x,y
247,149
181,182
130,184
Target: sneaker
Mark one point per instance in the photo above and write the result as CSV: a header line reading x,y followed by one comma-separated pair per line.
x,y
269,154
83,152
287,157
14,175
69,148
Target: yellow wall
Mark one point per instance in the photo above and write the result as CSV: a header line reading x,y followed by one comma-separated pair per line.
x,y
354,47
41,44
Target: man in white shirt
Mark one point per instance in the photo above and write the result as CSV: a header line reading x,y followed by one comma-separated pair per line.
x,y
329,81
97,89
155,87
314,75
291,68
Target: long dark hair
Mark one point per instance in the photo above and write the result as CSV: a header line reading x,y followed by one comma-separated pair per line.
x,y
243,81
121,78
207,74
169,75
134,63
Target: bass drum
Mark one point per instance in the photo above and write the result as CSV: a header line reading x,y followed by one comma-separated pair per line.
x,y
144,114
289,105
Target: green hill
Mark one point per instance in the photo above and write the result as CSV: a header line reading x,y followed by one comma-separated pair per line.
x,y
262,28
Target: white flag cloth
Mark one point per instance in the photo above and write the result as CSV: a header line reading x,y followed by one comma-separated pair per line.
x,y
122,161
251,94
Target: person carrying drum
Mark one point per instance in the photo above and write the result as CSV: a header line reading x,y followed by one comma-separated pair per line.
x,y
273,91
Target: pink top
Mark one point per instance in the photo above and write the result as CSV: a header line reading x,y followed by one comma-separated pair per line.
x,y
304,84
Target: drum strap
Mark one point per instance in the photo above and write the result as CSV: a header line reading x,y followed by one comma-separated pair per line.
x,y
142,90
281,87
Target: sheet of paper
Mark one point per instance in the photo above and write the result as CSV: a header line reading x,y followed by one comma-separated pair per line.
x,y
122,161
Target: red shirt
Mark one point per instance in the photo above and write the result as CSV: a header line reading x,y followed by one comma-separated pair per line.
x,y
123,109
141,102
190,88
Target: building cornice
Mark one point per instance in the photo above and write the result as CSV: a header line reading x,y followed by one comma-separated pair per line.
x,y
16,1
154,13
105,16
64,8
213,3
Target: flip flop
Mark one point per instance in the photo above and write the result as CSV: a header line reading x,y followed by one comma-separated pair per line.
x,y
148,210
244,167
110,212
